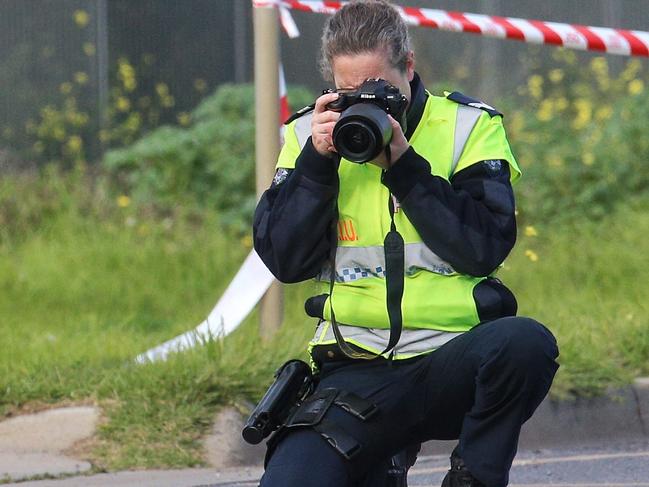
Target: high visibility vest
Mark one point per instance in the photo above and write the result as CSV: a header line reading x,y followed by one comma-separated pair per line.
x,y
451,137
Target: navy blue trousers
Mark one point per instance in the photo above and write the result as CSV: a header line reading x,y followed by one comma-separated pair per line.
x,y
479,388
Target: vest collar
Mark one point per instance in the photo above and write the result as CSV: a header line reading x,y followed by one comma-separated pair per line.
x,y
416,108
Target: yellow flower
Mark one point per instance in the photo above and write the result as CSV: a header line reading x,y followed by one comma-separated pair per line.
x,y
89,49
130,84
561,103
599,66
632,69
80,77
555,75
123,201
126,74
636,87
544,113
565,55
65,88
123,104
200,85
533,256
74,144
184,118
133,122
81,119
47,111
81,18
535,86
168,101
584,113
59,134
530,231
162,90
588,158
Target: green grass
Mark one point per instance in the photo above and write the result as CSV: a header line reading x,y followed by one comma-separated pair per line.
x,y
588,286
86,285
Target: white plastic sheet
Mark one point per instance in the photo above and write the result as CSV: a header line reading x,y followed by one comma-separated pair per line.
x,y
241,296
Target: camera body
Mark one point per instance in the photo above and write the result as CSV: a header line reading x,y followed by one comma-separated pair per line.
x,y
363,129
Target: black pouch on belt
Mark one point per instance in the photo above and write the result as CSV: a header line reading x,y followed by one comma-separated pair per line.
x,y
311,413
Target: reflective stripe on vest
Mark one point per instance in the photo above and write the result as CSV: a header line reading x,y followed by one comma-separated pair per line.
x,y
466,119
412,342
303,128
353,263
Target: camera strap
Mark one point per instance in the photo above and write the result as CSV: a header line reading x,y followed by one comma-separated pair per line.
x,y
394,252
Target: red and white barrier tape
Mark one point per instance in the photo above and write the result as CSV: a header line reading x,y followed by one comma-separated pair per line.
x,y
573,36
284,108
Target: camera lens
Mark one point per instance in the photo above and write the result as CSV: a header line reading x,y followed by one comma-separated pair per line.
x,y
357,138
362,132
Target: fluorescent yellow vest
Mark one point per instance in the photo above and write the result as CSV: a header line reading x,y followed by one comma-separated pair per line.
x,y
435,296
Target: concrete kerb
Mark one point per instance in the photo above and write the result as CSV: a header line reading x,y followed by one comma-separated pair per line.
x,y
621,414
641,391
37,444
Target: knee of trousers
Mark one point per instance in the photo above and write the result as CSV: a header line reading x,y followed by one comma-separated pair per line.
x,y
525,345
303,458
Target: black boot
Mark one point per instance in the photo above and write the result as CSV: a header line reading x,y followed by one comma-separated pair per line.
x,y
459,475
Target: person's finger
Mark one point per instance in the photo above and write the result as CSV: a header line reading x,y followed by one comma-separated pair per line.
x,y
325,128
326,116
394,123
322,101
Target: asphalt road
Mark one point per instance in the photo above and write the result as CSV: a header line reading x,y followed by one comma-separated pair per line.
x,y
623,465
602,465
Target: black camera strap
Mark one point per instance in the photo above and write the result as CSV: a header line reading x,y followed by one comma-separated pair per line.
x,y
394,252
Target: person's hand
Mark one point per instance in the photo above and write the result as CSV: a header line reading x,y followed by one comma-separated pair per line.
x,y
398,145
322,125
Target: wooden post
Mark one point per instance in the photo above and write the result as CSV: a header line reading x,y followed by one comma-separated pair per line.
x,y
266,23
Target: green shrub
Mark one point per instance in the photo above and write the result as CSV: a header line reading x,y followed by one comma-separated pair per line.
x,y
211,161
580,137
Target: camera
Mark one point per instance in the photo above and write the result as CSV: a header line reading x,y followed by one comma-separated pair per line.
x,y
363,129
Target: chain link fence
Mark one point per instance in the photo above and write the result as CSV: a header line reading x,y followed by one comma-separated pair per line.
x,y
79,76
